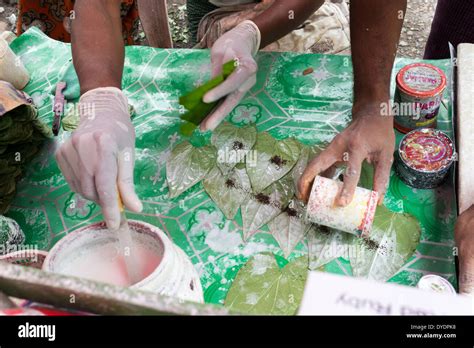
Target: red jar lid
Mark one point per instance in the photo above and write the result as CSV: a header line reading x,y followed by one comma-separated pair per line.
x,y
427,150
421,80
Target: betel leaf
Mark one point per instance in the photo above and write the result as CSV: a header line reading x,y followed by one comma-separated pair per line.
x,y
193,101
187,166
187,129
274,159
289,228
5,122
392,241
326,244
261,208
366,176
262,287
228,191
232,144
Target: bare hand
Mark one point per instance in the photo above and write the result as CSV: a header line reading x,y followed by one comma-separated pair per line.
x,y
369,137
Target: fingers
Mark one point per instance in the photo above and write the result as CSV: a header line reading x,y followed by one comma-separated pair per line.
x,y
216,64
242,79
213,120
106,182
83,155
318,165
351,179
382,176
67,170
125,181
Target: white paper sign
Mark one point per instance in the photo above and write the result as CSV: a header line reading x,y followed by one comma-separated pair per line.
x,y
329,294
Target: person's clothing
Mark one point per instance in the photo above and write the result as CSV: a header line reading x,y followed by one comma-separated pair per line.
x,y
53,16
222,3
325,31
196,10
453,22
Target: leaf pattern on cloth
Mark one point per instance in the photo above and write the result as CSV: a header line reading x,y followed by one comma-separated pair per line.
x,y
262,287
274,160
289,228
187,166
326,244
232,144
228,191
393,240
261,208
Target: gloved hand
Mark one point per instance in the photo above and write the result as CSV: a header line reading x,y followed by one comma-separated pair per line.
x,y
99,157
240,44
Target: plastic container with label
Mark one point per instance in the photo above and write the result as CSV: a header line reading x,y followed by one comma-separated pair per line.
x,y
355,218
424,158
418,96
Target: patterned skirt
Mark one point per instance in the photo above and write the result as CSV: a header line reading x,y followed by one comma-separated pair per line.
x,y
52,16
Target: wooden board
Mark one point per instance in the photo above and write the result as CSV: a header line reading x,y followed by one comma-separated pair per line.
x,y
465,126
80,294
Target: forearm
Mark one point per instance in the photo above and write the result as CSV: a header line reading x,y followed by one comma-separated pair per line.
x,y
97,44
283,17
375,32
464,236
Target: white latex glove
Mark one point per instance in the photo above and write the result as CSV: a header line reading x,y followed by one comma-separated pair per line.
x,y
240,44
99,157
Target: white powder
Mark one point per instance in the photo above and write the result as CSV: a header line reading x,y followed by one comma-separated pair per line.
x,y
251,299
224,241
261,263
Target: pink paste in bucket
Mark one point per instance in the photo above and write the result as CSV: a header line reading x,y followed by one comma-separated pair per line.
x,y
104,264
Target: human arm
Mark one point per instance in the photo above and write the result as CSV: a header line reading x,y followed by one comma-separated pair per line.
x,y
97,44
375,31
282,17
98,159
242,43
464,235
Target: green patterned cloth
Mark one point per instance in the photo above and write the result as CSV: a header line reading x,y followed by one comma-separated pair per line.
x,y
312,108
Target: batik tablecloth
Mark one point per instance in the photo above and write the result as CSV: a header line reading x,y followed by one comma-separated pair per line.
x,y
312,108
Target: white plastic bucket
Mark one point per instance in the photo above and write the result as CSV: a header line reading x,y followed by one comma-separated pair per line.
x,y
174,276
